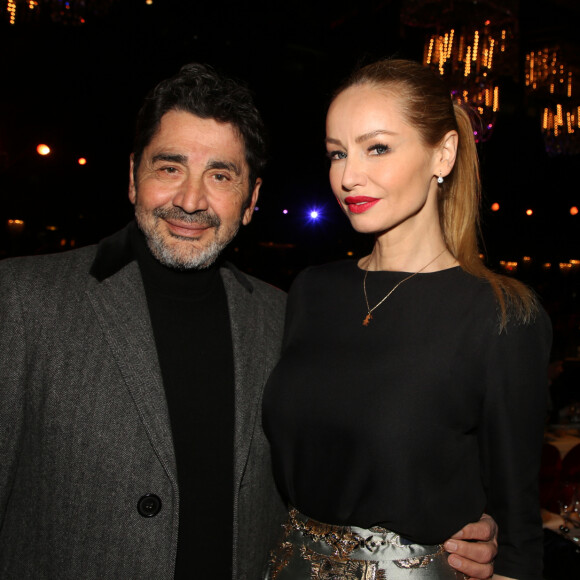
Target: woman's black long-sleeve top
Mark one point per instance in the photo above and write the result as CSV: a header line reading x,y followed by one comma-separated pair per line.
x,y
419,421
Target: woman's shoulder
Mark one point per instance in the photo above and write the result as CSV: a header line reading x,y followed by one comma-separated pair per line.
x,y
455,285
329,272
475,288
521,310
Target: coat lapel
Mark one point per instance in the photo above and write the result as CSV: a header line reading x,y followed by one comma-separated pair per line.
x,y
245,333
121,308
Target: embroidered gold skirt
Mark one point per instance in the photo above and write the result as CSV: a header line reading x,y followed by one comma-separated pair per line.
x,y
310,550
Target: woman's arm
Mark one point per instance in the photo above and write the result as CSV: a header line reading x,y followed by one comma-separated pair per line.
x,y
510,438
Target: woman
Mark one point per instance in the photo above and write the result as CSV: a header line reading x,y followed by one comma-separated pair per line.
x,y
410,395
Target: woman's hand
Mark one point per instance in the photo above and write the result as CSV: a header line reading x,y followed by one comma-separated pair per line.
x,y
474,558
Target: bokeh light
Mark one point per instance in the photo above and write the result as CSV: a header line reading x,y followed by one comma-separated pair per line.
x,y
495,206
82,161
313,214
529,212
43,149
574,210
15,226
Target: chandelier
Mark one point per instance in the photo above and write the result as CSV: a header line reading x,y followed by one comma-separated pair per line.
x,y
467,58
471,45
550,81
59,11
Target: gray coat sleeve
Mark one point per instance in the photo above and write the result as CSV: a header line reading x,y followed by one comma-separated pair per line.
x,y
12,381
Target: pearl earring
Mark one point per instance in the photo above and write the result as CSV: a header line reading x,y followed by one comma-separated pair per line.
x,y
440,179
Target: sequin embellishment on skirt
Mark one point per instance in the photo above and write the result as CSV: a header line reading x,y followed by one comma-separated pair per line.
x,y
310,550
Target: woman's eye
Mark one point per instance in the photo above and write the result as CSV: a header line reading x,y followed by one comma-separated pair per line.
x,y
335,155
378,149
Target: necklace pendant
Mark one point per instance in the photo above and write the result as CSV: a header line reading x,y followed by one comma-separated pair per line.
x,y
367,319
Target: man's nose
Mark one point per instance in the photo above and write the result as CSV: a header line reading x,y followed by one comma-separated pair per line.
x,y
191,195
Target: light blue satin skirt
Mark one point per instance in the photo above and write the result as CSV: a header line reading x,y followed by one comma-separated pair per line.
x,y
310,550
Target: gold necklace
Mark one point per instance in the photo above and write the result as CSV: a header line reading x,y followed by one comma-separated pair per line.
x,y
369,316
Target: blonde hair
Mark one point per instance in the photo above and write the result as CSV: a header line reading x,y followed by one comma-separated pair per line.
x,y
427,106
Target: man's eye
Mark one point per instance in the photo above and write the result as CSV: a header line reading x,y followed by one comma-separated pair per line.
x,y
170,170
378,149
220,177
336,155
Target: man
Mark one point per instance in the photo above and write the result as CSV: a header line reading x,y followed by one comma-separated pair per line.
x,y
128,369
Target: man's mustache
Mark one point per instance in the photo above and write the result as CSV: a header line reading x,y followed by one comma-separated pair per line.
x,y
202,218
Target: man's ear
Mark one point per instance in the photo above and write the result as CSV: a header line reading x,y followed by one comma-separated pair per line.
x,y
132,189
249,211
448,153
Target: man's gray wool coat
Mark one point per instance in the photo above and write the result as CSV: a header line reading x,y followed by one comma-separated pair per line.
x,y
84,427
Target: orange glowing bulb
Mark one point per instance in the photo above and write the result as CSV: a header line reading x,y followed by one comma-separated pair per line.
x,y
43,149
574,210
495,206
82,161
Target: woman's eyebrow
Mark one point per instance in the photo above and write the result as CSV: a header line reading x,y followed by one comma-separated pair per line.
x,y
366,136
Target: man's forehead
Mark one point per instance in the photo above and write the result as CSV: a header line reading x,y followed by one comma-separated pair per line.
x,y
193,122
181,133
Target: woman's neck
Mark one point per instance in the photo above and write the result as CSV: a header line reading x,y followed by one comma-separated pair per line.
x,y
427,253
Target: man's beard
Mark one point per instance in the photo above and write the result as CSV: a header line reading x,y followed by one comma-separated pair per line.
x,y
183,255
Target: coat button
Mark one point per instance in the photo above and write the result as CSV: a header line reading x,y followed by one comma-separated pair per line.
x,y
149,505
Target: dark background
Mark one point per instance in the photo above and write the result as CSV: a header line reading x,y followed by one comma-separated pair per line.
x,y
78,88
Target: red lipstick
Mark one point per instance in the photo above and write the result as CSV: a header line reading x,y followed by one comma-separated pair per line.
x,y
360,203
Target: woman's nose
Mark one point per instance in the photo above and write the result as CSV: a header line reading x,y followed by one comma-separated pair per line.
x,y
353,174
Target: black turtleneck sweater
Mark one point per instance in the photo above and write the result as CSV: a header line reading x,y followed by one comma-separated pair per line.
x,y
191,326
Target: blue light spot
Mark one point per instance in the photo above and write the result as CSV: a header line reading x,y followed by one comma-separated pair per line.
x,y
314,215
